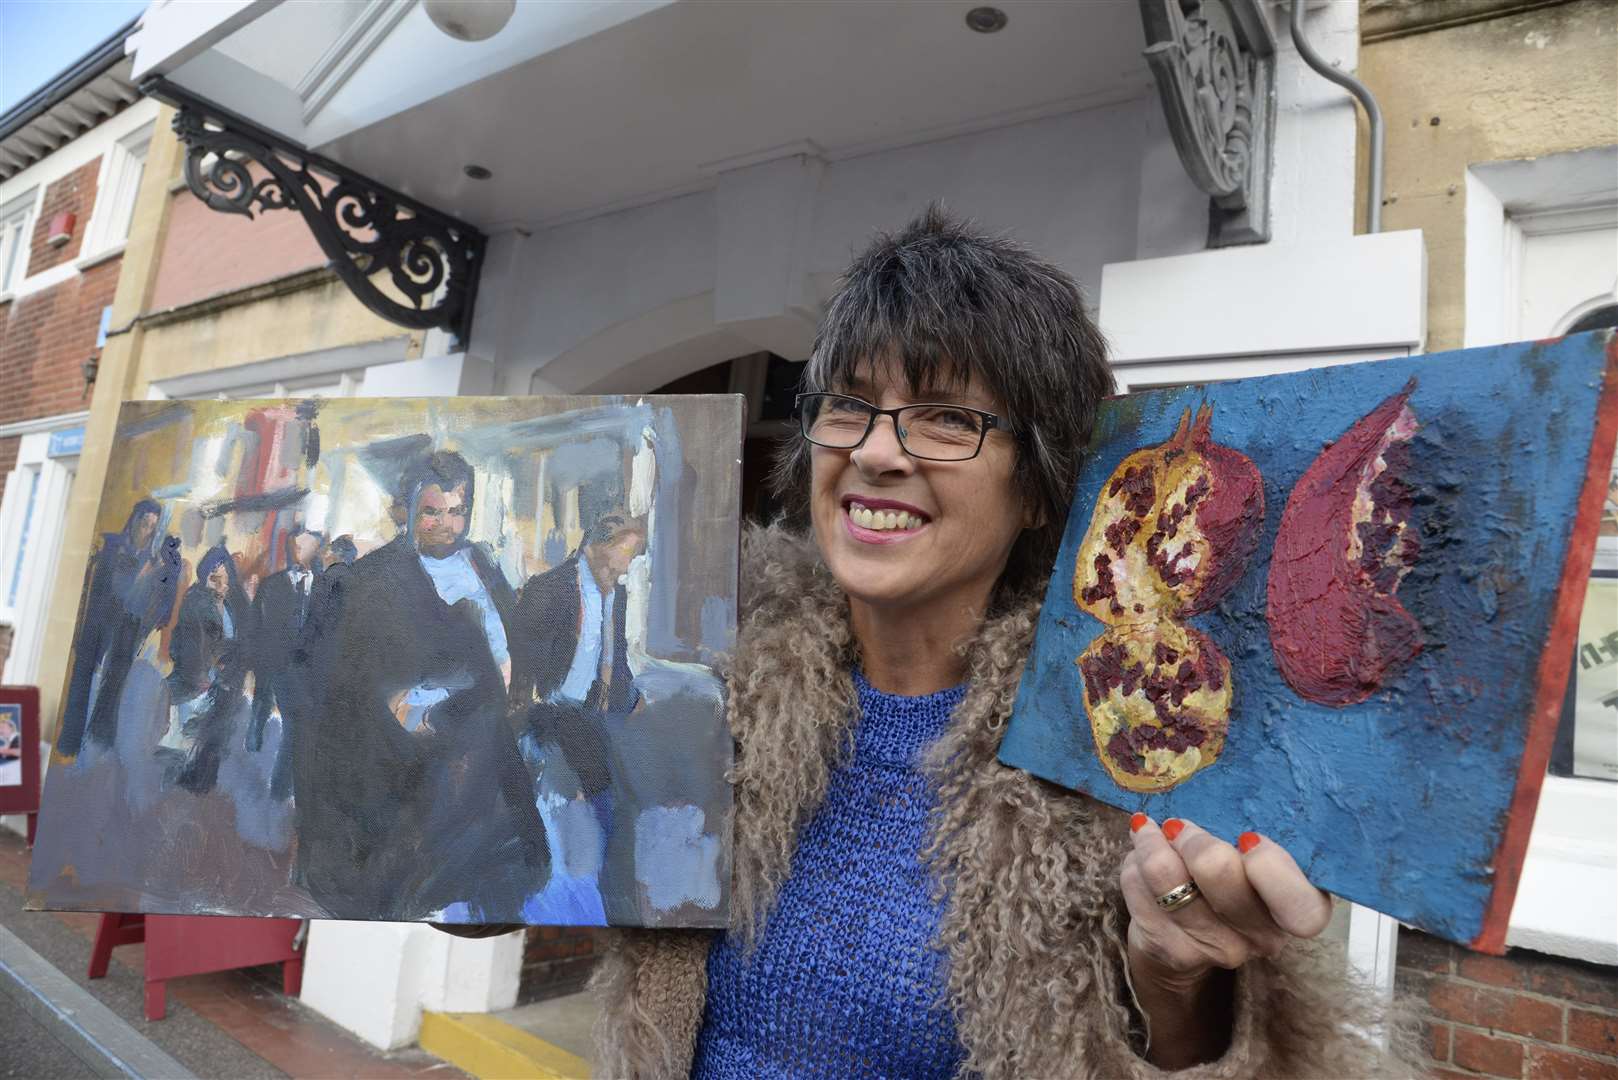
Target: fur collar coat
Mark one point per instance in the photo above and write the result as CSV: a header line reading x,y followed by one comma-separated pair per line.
x,y
1034,924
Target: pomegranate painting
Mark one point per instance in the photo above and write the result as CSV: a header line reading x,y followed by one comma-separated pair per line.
x,y
1171,533
1173,529
1158,698
1339,608
1337,627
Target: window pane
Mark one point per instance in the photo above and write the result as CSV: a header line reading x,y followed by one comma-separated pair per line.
x,y
22,539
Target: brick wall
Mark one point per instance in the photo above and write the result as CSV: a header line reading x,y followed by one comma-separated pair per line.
x,y
1523,1015
556,960
45,337
76,194
206,253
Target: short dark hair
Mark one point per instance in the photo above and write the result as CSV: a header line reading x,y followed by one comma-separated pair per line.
x,y
445,468
953,305
214,557
292,535
344,548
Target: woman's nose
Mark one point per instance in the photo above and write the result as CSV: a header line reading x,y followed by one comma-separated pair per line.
x,y
881,452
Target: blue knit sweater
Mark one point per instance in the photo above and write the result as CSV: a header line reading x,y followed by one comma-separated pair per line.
x,y
846,980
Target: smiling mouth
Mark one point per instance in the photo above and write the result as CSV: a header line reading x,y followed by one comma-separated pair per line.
x,y
882,519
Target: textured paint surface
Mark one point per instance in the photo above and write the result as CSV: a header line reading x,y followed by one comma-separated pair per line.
x,y
1345,543
404,659
1417,800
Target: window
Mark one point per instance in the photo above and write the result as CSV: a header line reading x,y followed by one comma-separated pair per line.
x,y
1542,260
22,538
331,385
120,184
16,217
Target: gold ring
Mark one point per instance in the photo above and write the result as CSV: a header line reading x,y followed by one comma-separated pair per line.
x,y
1179,897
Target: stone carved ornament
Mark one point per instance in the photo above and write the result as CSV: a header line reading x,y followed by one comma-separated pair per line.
x,y
1214,62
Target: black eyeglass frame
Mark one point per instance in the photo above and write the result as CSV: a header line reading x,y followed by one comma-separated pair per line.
x,y
990,422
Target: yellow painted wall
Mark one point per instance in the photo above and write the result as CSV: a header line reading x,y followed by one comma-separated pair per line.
x,y
1542,81
202,337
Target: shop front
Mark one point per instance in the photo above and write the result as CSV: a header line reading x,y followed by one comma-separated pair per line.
x,y
616,198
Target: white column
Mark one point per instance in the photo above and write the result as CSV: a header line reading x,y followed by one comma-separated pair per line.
x,y
375,978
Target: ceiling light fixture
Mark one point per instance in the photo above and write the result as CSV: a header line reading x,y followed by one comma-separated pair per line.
x,y
986,20
470,20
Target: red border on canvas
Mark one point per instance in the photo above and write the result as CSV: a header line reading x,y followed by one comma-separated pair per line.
x,y
1555,664
24,798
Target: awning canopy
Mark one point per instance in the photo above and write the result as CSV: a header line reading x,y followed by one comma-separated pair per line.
x,y
581,106
576,108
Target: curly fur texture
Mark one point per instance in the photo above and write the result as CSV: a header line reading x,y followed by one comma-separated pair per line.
x,y
1034,924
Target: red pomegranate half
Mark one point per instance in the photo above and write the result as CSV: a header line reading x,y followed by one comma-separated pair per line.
x,y
1337,629
1172,529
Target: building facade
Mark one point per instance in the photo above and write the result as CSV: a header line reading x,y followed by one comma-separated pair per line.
x,y
1502,149
72,157
644,195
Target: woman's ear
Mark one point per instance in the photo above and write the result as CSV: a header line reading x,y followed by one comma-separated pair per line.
x,y
1034,515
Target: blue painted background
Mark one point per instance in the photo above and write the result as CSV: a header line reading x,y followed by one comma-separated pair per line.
x,y
1397,802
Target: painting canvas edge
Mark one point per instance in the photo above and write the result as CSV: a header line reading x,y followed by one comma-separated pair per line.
x,y
1555,664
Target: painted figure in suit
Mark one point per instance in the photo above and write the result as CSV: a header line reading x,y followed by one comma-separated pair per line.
x,y
206,682
571,682
412,800
132,590
283,607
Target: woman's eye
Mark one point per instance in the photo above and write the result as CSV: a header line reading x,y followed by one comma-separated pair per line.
x,y
958,419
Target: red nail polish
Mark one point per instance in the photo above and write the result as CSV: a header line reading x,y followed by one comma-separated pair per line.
x,y
1136,822
1246,842
1172,827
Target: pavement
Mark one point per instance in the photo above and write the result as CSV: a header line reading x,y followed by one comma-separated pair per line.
x,y
562,1021
233,1024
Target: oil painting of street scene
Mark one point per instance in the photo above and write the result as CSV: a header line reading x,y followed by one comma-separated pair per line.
x,y
404,659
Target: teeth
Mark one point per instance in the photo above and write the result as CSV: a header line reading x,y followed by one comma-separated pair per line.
x,y
883,520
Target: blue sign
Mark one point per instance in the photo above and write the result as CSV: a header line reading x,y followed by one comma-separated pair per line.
x,y
66,443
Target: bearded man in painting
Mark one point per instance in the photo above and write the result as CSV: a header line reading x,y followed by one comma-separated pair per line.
x,y
412,799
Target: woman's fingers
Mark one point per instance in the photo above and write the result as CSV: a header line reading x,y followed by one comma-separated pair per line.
x,y
1219,871
1195,930
1296,905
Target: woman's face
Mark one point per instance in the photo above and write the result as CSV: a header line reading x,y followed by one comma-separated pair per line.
x,y
964,516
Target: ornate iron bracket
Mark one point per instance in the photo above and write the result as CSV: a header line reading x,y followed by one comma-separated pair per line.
x,y
431,260
1214,61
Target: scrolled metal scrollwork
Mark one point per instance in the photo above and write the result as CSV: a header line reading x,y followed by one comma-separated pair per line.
x,y
431,261
1214,62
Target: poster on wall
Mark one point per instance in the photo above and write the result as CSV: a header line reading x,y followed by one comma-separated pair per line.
x,y
19,749
448,659
11,743
1338,608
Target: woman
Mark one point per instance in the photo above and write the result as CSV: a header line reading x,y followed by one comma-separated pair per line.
x,y
903,904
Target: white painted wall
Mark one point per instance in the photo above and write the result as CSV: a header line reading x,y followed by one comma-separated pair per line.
x,y
631,299
375,978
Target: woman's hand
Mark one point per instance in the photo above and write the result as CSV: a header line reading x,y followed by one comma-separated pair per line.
x,y
1251,901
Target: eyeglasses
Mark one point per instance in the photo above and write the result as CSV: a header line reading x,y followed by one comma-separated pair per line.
x,y
934,432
